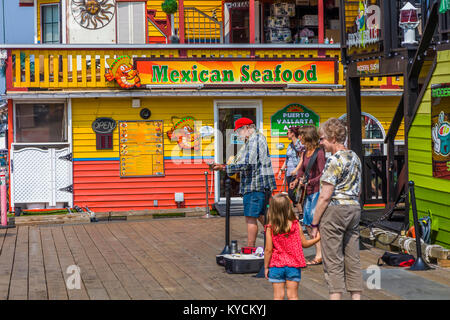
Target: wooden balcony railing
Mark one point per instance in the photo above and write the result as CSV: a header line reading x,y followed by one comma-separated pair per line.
x,y
76,66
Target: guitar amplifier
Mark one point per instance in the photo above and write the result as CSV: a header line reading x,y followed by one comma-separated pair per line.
x,y
243,263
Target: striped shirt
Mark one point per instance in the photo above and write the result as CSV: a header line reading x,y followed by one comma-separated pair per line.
x,y
254,165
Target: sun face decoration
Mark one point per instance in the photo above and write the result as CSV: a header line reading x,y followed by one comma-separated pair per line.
x,y
93,14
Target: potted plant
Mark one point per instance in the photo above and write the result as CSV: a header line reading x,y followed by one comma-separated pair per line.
x,y
170,7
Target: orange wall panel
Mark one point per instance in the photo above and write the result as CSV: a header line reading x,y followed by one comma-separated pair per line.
x,y
98,185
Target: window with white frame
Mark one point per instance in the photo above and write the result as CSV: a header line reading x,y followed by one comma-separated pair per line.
x,y
373,134
131,20
40,122
50,23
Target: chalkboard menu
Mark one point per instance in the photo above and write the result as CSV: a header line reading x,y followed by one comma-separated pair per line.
x,y
141,148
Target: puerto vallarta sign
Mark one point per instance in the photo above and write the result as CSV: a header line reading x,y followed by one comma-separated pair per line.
x,y
292,115
235,72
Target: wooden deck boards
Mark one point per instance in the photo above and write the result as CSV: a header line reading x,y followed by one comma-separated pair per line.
x,y
154,259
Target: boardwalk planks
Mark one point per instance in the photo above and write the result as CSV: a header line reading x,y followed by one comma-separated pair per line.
x,y
156,259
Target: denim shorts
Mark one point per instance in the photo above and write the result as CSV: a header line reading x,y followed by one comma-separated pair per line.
x,y
309,208
254,204
278,275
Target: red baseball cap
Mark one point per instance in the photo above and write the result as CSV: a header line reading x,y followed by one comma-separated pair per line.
x,y
242,122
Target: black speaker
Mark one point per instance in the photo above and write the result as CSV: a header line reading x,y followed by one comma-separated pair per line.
x,y
145,113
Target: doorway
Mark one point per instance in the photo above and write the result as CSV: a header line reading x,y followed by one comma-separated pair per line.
x,y
41,155
227,143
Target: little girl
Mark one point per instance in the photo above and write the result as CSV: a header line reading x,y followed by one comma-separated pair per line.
x,y
283,255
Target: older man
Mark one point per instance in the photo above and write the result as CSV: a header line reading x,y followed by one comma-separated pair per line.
x,y
256,174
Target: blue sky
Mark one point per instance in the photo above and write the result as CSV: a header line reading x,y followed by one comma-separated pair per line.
x,y
16,26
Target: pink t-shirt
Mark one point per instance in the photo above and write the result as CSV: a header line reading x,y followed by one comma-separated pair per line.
x,y
287,248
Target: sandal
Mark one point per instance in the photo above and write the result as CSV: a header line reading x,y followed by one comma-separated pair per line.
x,y
314,262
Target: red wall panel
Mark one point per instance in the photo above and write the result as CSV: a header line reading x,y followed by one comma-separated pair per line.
x,y
98,185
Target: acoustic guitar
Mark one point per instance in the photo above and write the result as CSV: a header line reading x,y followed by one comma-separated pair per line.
x,y
301,193
236,177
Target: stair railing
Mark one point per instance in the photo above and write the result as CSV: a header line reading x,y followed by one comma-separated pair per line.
x,y
201,27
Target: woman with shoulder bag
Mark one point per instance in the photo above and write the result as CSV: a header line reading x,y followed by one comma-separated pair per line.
x,y
292,164
308,177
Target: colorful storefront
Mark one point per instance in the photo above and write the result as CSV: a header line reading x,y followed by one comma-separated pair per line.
x,y
86,139
429,151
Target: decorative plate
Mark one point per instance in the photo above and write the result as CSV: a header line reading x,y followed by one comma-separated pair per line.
x,y
93,14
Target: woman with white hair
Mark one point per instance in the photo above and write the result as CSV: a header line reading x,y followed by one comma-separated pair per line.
x,y
338,213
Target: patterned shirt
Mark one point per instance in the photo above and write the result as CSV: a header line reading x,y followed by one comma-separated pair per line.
x,y
343,171
292,159
254,165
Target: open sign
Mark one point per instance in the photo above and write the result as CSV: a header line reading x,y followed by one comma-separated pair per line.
x,y
104,125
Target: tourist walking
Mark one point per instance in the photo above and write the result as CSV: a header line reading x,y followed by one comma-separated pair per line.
x,y
283,255
257,180
308,177
291,165
338,213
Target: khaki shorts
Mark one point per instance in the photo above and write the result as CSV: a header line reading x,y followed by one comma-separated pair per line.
x,y
339,232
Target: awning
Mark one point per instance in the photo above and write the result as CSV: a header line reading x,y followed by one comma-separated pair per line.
x,y
30,95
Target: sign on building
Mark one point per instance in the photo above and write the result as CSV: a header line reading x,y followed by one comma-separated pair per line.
x,y
238,72
440,130
141,148
292,115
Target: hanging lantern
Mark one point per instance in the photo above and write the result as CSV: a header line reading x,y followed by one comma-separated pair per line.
x,y
409,21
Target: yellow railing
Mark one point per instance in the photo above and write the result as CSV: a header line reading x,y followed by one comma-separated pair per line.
x,y
66,67
59,68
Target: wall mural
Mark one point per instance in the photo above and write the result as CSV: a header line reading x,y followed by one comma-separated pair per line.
x,y
186,134
93,14
121,69
440,130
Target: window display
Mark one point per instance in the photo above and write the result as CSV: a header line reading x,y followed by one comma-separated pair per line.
x,y
298,21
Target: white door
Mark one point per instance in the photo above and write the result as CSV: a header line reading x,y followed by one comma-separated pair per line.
x,y
41,176
225,114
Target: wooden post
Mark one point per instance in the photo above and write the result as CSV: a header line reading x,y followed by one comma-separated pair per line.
x,y
252,21
321,21
9,70
390,164
354,123
411,93
10,139
181,21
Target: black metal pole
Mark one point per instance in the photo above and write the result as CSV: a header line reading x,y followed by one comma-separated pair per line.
x,y
420,264
208,213
261,273
227,250
207,200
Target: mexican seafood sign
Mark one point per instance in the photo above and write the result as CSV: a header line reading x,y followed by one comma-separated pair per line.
x,y
235,72
440,130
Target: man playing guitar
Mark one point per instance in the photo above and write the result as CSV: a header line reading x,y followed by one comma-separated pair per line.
x,y
256,175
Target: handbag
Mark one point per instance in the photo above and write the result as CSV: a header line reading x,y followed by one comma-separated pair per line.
x,y
396,260
301,190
